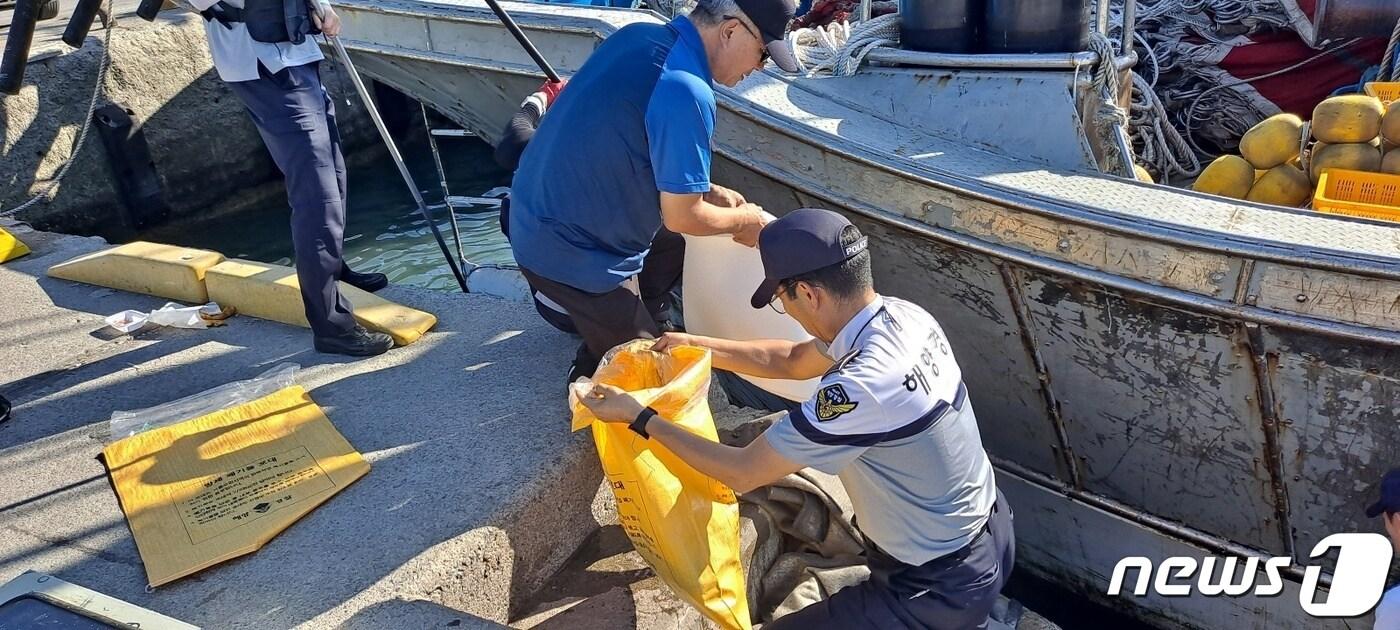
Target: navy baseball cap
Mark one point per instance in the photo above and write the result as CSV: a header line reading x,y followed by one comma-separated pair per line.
x,y
1390,495
802,241
772,18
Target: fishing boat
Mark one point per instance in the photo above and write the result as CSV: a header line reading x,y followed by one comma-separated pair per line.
x,y
1157,372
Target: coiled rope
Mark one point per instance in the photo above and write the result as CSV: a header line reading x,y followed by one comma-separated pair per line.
x,y
840,47
46,194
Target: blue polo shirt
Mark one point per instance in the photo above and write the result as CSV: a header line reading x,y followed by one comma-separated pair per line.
x,y
636,119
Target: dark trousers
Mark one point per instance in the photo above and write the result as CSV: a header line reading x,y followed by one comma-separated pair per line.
x,y
952,592
628,312
296,119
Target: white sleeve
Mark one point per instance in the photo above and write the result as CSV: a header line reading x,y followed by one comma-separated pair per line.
x,y
1388,613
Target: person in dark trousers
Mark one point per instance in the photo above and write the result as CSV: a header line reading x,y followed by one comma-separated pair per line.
x,y
620,167
891,416
280,84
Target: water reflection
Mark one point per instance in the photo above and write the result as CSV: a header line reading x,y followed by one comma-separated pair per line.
x,y
384,231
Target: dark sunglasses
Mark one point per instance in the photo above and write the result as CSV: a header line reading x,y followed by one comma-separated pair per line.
x,y
763,48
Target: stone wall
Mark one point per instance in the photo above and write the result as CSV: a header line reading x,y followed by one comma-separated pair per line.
x,y
205,149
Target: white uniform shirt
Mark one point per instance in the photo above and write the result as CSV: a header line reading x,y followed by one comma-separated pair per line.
x,y
1388,612
892,419
236,54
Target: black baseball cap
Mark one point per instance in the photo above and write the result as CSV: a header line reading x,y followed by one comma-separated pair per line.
x,y
1390,495
802,241
772,18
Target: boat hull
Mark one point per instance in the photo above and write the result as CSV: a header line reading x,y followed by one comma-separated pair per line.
x,y
1141,391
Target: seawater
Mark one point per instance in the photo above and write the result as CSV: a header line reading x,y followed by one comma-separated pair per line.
x,y
384,231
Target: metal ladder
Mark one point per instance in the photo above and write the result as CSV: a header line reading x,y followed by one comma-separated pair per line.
x,y
454,202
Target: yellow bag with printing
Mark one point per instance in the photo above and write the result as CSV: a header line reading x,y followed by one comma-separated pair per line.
x,y
683,523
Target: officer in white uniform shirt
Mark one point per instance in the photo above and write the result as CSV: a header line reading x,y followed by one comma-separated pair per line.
x,y
274,68
891,417
1387,506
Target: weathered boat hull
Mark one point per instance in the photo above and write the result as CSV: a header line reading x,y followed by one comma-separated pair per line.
x,y
1144,388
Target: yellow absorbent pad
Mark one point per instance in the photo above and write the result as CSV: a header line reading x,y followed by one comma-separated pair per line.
x,y
11,247
219,486
167,271
272,292
683,523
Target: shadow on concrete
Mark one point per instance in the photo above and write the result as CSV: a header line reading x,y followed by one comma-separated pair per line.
x,y
401,613
477,493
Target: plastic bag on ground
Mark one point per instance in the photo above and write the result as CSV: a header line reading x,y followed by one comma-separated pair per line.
x,y
128,423
683,523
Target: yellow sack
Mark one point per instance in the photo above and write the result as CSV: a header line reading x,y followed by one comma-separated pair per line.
x,y
683,523
219,486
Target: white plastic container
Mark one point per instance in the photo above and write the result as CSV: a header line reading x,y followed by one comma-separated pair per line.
x,y
719,279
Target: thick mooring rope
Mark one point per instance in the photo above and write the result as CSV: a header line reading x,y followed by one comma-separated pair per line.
x,y
1389,69
1109,118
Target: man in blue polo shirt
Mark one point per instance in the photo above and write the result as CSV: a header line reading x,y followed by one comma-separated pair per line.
x,y
622,164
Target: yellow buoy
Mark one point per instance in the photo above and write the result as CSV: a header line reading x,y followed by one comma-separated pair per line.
x,y
1359,156
1273,141
1347,119
1282,185
1391,162
1390,124
1142,174
1228,176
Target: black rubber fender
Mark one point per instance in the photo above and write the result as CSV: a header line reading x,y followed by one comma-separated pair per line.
x,y
17,43
148,9
78,26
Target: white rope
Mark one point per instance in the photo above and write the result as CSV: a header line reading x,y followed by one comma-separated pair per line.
x,y
1160,147
1388,66
47,193
1109,118
840,47
1215,114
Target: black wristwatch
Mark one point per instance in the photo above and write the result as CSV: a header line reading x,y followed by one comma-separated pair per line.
x,y
640,424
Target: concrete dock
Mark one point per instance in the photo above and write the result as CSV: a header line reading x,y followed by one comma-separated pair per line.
x,y
477,495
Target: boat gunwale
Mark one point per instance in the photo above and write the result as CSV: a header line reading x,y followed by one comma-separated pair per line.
x,y
1193,237
1209,305
1181,234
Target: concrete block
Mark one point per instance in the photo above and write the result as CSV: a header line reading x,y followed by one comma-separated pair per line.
x,y
272,292
166,271
11,247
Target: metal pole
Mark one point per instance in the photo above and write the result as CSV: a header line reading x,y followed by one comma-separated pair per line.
x,y
524,41
398,159
1129,24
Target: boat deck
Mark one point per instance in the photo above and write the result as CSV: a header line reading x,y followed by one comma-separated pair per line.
x,y
1129,204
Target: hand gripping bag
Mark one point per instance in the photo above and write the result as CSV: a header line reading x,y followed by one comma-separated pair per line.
x,y
683,523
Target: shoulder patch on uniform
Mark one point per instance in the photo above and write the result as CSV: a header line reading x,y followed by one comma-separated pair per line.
x,y
842,362
833,402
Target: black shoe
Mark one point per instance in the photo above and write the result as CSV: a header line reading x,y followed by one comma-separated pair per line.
x,y
356,343
364,281
585,364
